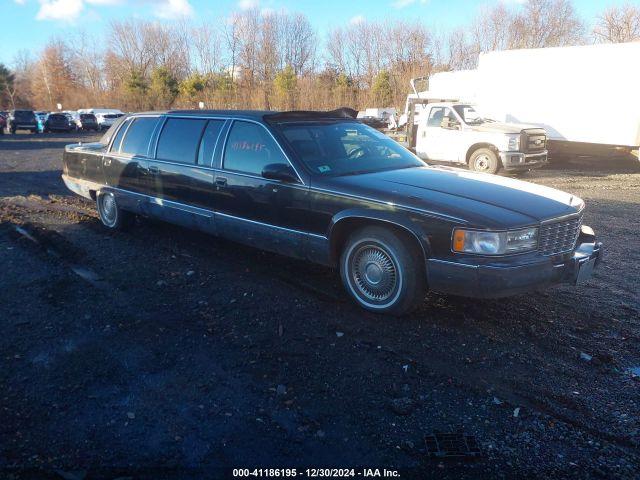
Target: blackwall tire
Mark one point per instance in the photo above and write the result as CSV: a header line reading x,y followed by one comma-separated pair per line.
x,y
383,270
484,160
111,215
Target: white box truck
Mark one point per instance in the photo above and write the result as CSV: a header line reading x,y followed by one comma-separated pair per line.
x,y
587,98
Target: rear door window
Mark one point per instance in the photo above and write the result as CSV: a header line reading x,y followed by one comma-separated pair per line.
x,y
250,148
209,140
179,140
115,146
136,142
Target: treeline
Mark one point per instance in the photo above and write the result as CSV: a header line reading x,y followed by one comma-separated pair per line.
x,y
277,60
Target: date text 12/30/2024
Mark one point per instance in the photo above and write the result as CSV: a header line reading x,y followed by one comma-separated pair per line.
x,y
316,472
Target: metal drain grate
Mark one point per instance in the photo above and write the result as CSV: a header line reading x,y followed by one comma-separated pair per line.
x,y
452,445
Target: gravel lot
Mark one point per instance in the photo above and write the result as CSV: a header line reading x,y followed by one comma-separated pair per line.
x,y
164,353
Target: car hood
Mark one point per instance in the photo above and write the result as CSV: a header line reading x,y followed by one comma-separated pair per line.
x,y
484,200
501,127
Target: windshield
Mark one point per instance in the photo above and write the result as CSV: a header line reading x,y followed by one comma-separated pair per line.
x,y
469,115
346,148
25,115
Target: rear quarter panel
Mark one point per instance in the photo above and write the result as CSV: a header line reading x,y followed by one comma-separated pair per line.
x,y
84,162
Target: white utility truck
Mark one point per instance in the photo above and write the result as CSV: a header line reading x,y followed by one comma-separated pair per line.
x,y
445,129
586,98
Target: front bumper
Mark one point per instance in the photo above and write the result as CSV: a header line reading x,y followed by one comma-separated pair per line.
x,y
513,161
501,280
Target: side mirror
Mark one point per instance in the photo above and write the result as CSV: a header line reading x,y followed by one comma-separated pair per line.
x,y
449,124
279,171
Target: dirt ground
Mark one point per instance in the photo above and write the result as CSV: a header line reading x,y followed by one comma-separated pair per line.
x,y
164,353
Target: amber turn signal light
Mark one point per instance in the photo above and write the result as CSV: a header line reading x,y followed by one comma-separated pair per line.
x,y
458,240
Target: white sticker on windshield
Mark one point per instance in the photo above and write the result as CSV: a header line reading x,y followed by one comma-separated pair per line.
x,y
324,168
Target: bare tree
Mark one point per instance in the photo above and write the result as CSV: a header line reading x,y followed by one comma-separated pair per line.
x,y
297,43
547,23
207,45
618,24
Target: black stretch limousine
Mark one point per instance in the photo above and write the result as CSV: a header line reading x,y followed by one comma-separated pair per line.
x,y
323,187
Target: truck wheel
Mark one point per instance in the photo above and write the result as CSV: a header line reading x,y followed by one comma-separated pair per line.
x,y
484,160
383,271
112,216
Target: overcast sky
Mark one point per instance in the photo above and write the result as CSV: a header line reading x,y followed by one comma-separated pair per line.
x,y
31,23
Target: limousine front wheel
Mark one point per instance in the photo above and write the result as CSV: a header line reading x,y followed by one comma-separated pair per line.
x,y
380,270
112,216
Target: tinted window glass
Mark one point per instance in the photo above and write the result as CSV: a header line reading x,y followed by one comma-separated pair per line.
x,y
137,140
115,147
346,148
24,115
179,139
205,155
249,148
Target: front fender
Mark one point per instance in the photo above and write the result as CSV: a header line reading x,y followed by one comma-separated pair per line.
x,y
347,219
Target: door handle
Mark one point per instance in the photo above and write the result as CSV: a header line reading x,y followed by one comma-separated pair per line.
x,y
107,162
221,181
153,169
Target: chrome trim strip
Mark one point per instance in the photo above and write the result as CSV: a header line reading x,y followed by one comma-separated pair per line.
x,y
396,205
189,208
187,165
269,225
447,262
128,121
215,146
159,128
179,206
564,217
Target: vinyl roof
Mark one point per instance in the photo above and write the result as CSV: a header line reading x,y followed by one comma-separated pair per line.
x,y
268,115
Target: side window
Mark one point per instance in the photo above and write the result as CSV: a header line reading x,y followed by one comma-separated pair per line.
x,y
115,146
208,143
249,148
435,116
179,140
136,142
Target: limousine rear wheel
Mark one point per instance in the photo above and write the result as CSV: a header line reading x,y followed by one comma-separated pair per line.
x,y
380,271
112,216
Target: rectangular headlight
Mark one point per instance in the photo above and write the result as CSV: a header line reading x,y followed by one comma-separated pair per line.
x,y
514,144
494,243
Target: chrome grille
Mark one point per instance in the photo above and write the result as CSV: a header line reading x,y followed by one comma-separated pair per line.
x,y
533,140
559,237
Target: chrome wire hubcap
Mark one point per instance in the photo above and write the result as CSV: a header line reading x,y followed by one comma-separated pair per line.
x,y
482,162
374,273
109,210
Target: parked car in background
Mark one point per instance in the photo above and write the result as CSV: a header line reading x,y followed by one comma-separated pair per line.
x,y
104,116
59,122
73,114
88,121
374,122
323,187
22,120
41,118
73,122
